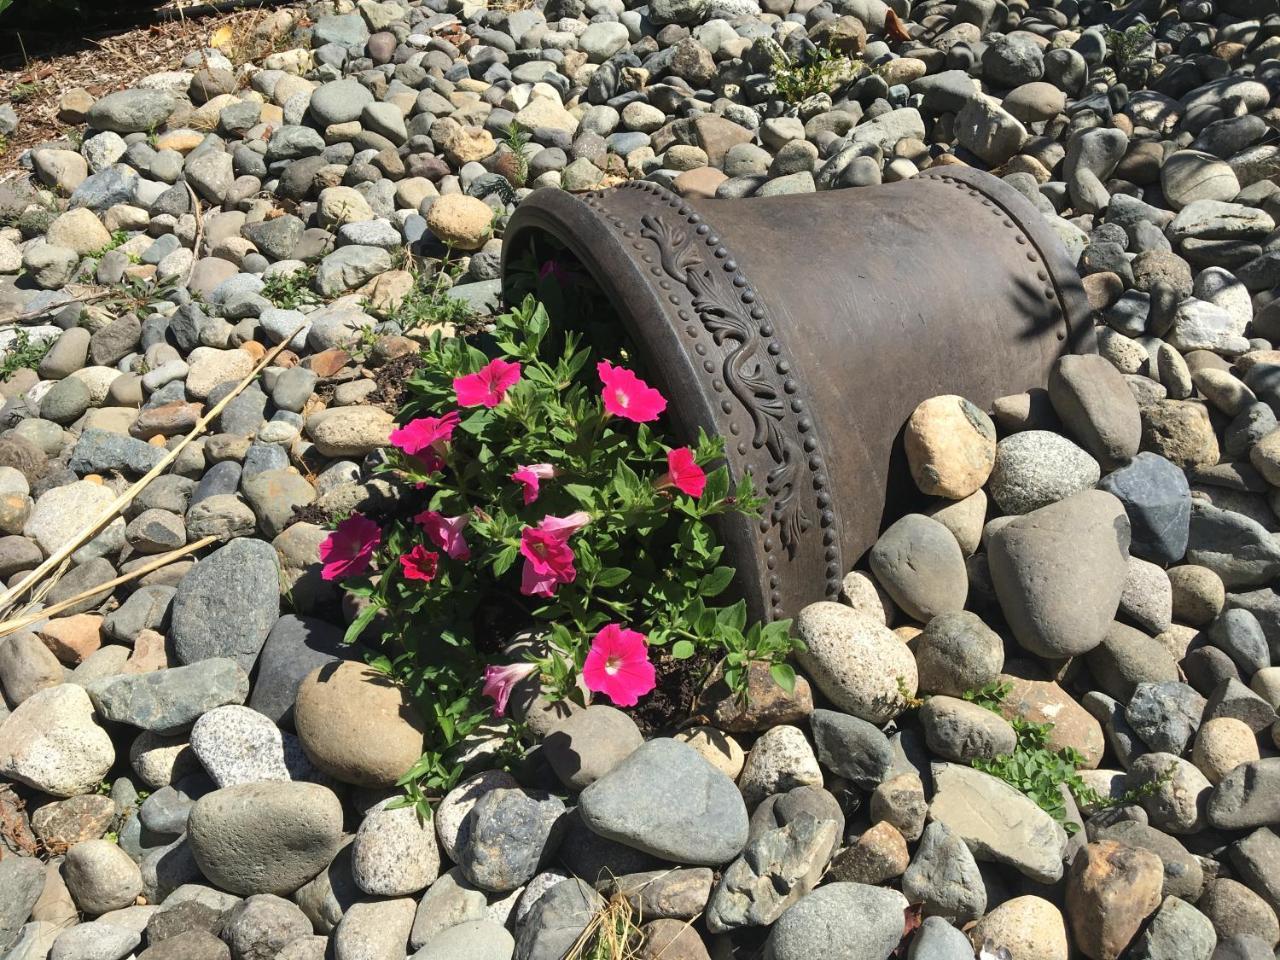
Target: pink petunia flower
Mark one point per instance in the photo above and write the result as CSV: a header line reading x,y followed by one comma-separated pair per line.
x,y
499,681
487,386
626,395
426,435
446,532
420,564
683,473
346,552
548,558
553,269
531,477
618,665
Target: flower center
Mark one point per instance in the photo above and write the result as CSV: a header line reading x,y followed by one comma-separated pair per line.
x,y
612,665
622,397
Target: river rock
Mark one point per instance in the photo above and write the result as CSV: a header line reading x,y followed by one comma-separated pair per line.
x,y
265,837
666,800
861,666
1059,573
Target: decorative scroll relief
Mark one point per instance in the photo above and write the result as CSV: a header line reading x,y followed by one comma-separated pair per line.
x,y
745,371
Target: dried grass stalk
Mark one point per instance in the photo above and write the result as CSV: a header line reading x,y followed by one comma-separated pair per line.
x,y
117,506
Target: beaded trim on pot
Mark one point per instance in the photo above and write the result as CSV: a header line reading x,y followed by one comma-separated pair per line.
x,y
721,306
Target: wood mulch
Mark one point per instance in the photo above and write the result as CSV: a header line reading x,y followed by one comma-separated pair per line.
x,y
33,83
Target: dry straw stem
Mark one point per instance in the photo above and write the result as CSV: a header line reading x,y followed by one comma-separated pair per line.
x,y
117,506
27,618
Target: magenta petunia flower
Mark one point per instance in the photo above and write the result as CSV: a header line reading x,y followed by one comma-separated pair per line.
x,y
531,477
425,435
626,395
446,532
553,269
420,564
548,558
683,472
499,681
347,551
618,665
487,386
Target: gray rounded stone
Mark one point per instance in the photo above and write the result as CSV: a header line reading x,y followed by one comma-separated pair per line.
x,y
394,853
472,940
1035,468
956,653
1059,573
919,563
226,605
666,800
265,837
510,833
839,921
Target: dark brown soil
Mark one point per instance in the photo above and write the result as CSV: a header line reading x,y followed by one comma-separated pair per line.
x,y
392,380
674,700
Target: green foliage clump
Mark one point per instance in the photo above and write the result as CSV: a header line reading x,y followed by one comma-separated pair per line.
x,y
797,79
430,304
23,353
288,291
1039,771
645,555
1126,52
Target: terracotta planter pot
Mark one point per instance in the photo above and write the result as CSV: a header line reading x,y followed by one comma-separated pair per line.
x,y
805,329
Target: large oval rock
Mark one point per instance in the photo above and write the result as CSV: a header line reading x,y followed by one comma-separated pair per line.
x,y
265,837
226,605
997,823
51,742
168,701
666,800
860,664
357,725
1157,500
919,563
1059,573
1096,404
1111,889
840,921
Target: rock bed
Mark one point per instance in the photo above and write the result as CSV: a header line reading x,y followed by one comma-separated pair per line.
x,y
200,769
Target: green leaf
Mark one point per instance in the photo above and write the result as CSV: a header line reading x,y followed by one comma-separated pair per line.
x,y
612,576
715,582
682,649
784,676
362,620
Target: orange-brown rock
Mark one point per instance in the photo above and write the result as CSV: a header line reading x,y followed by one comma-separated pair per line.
x,y
1111,889
766,704
1043,701
73,638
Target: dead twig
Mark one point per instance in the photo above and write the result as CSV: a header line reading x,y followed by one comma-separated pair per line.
x,y
117,506
15,624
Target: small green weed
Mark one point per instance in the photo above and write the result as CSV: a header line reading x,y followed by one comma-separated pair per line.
x,y
1038,771
24,353
1125,51
292,290
429,303
117,239
822,72
516,137
771,643
22,92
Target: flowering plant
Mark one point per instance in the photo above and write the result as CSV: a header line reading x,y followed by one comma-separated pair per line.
x,y
546,500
